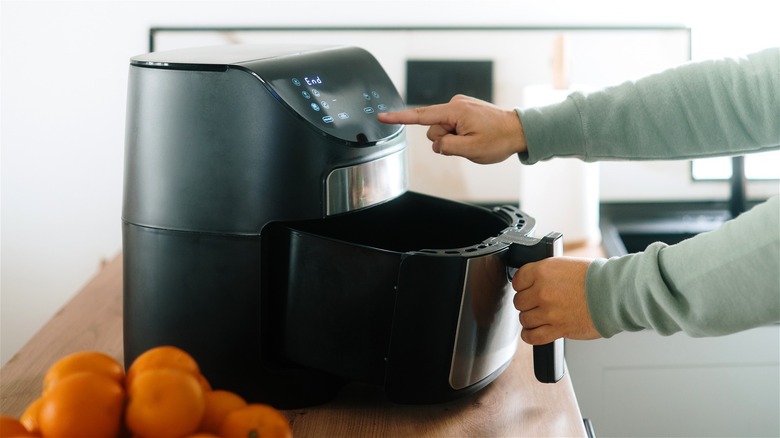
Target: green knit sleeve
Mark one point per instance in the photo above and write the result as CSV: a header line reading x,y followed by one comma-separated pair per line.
x,y
715,283
723,107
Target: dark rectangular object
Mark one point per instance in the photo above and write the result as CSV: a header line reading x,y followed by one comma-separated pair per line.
x,y
433,82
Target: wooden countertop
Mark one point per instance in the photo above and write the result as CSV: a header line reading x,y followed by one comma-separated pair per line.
x,y
515,404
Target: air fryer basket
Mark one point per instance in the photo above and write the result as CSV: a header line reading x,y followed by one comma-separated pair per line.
x,y
375,296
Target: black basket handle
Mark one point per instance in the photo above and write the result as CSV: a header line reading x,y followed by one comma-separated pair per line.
x,y
548,358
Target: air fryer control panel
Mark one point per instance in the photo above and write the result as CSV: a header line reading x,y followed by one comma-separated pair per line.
x,y
340,91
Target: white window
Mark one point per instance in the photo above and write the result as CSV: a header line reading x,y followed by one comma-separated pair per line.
x,y
760,166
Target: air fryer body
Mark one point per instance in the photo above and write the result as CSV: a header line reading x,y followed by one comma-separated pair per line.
x,y
267,230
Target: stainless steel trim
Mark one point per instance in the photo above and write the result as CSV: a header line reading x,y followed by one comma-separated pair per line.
x,y
488,326
354,187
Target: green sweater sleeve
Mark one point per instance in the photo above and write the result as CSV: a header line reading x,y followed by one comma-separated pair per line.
x,y
715,283
729,106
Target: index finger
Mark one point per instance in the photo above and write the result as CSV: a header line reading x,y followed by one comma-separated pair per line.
x,y
424,115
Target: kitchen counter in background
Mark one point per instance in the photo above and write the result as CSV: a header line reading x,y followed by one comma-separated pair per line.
x,y
515,404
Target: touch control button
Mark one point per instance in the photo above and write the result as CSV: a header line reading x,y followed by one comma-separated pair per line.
x,y
366,96
368,110
306,94
327,119
315,107
381,107
296,82
343,116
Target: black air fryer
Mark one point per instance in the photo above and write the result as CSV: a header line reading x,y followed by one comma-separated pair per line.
x,y
268,231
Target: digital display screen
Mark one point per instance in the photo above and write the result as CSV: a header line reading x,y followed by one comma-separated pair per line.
x,y
338,91
315,80
334,105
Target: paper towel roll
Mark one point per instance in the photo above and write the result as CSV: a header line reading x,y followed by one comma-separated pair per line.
x,y
561,194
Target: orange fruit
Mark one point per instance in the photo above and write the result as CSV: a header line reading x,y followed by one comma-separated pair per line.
x,y
11,427
203,435
92,361
30,416
164,403
82,404
219,403
165,356
255,420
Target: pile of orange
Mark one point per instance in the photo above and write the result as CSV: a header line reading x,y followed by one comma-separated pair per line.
x,y
163,394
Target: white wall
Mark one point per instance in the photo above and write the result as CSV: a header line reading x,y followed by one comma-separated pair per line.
x,y
64,71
